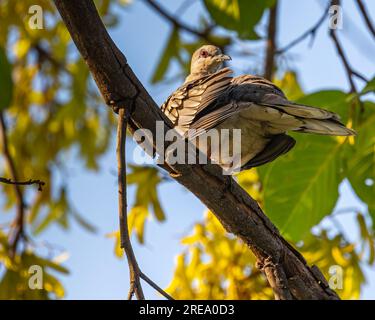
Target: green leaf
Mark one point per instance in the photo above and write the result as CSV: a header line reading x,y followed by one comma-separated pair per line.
x,y
170,51
238,15
361,160
6,82
370,87
311,172
301,187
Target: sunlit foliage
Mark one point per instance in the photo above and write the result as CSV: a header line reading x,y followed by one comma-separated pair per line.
x,y
53,113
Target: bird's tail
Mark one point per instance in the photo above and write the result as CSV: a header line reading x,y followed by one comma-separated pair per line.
x,y
315,120
328,127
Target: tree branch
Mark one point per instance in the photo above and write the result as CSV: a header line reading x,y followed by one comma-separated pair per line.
x,y
134,271
18,225
310,32
345,62
236,210
155,286
178,24
44,54
350,72
271,43
366,17
40,183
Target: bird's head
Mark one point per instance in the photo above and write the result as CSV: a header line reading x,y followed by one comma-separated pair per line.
x,y
206,60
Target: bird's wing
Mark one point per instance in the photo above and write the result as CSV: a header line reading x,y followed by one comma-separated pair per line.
x,y
278,145
268,104
250,89
183,104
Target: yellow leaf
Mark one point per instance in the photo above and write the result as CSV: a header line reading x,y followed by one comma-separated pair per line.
x,y
21,48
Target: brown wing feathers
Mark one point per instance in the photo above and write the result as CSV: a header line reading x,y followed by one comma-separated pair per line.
x,y
182,106
208,101
279,145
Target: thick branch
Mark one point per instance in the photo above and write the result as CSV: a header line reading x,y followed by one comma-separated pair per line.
x,y
18,226
271,43
237,211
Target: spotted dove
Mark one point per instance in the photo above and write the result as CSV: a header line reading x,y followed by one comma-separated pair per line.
x,y
211,98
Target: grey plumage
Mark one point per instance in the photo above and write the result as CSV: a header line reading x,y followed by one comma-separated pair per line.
x,y
211,98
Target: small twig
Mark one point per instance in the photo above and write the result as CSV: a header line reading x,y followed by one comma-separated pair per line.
x,y
40,183
269,64
183,7
310,32
359,76
337,224
346,210
350,72
345,62
131,290
135,273
155,286
18,224
135,283
46,55
366,17
177,23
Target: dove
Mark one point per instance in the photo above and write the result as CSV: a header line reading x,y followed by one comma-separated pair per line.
x,y
211,98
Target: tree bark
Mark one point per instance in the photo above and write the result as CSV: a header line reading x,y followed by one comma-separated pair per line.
x,y
286,270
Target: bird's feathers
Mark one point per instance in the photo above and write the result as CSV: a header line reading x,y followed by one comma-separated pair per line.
x,y
278,145
259,99
182,106
256,104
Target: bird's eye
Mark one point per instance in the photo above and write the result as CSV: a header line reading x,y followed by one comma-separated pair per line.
x,y
204,54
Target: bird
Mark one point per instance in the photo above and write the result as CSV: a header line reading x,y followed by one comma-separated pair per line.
x,y
211,98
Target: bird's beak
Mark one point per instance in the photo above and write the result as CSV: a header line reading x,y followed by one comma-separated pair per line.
x,y
224,57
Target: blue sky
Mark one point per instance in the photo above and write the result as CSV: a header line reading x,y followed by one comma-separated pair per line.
x,y
95,272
